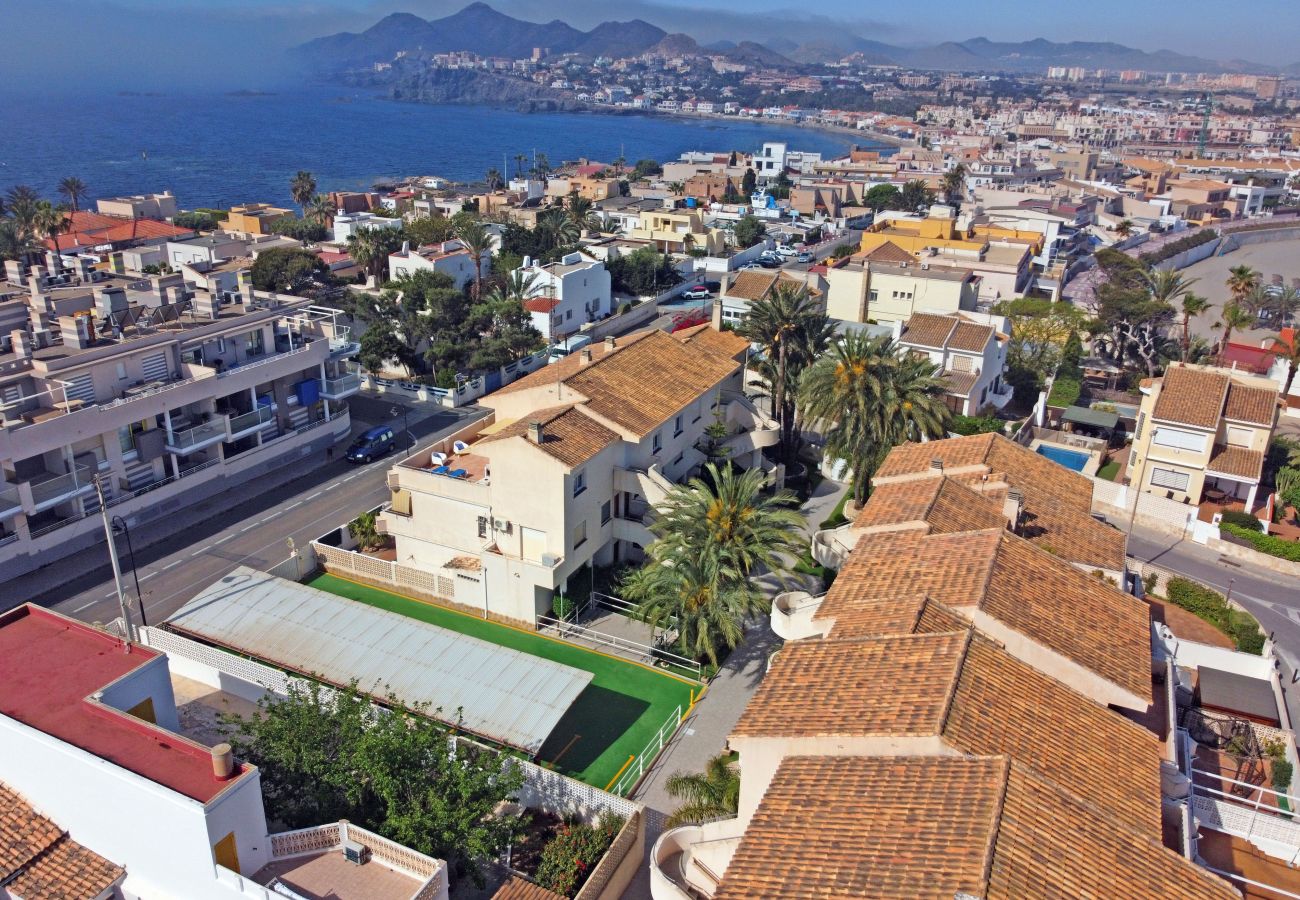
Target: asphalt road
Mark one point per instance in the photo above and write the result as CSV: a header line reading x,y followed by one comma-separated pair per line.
x,y
249,525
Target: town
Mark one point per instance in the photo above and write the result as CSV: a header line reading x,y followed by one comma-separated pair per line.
x,y
918,520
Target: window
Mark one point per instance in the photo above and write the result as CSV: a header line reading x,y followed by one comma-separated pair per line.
x,y
1137,432
1169,478
604,513
1239,437
873,295
656,443
121,371
569,314
579,482
677,426
1178,440
580,534
961,363
482,526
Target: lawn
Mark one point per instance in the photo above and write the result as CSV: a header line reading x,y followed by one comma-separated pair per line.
x,y
613,719
1109,470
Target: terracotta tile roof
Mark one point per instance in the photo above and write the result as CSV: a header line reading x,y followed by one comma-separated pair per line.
x,y
944,504
889,616
928,330
834,688
1058,504
971,336
751,284
1237,462
1256,405
521,889
913,828
37,859
541,304
959,384
568,434
1191,397
563,368
724,343
890,252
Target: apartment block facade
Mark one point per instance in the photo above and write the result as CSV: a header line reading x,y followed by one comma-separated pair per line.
x,y
567,294
971,357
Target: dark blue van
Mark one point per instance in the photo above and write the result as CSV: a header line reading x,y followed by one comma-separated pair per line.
x,y
374,443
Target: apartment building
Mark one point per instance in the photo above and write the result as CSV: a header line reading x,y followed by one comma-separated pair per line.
x,y
449,257
971,356
170,393
567,294
678,231
256,218
107,793
139,206
752,285
889,285
567,474
1202,433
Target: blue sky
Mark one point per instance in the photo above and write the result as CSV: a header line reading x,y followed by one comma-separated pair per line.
x,y
71,42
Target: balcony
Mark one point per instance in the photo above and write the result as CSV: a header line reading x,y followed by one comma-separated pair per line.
x,y
248,423
831,547
205,434
341,387
792,615
50,489
688,862
11,501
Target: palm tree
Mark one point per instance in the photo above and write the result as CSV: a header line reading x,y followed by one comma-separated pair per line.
x,y
1168,286
557,229
475,237
1285,304
1192,305
870,398
22,202
516,287
954,182
711,794
49,221
1235,316
14,243
303,189
321,210
792,331
370,247
1288,350
1256,300
74,190
1124,229
1241,281
494,180
582,213
706,612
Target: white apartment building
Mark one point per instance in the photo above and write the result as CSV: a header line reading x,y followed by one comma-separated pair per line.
x,y
347,224
565,295
567,474
449,257
971,353
889,285
769,160
171,394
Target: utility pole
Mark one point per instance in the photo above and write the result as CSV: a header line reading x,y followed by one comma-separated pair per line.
x,y
112,556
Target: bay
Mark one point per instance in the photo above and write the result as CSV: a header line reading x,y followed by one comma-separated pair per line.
x,y
220,149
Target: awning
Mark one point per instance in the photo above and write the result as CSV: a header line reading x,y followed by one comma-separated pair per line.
x,y
1234,692
1094,418
505,695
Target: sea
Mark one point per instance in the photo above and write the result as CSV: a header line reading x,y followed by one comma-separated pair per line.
x,y
220,149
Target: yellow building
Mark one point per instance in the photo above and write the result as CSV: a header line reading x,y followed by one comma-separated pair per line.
x,y
890,285
678,231
255,218
942,233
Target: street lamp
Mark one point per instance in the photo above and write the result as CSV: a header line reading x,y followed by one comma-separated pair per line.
x,y
405,413
120,527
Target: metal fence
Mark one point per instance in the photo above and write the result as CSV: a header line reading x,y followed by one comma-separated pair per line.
x,y
644,653
626,782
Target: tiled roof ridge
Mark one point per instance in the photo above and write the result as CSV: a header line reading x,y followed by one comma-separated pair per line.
x,y
995,831
956,679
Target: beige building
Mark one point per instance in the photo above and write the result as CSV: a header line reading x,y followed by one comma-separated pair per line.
x,y
888,284
971,356
678,231
140,206
568,473
1203,432
255,218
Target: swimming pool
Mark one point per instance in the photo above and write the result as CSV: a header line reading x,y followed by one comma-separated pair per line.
x,y
1071,459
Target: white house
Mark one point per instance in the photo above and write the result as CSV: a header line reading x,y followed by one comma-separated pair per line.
x,y
347,224
450,257
769,161
567,294
971,353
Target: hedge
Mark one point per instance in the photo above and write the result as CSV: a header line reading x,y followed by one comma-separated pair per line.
x,y
1173,248
968,425
1264,543
575,850
1209,605
1239,519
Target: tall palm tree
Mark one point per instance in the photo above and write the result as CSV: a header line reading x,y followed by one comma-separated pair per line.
x,y
870,398
1285,304
321,209
1234,317
954,183
74,190
557,229
494,180
1287,350
792,331
478,241
581,212
22,201
1241,281
1192,305
49,221
520,159
14,243
706,611
516,287
1168,286
303,189
1256,300
711,794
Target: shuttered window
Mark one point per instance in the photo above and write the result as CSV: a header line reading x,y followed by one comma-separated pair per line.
x,y
401,504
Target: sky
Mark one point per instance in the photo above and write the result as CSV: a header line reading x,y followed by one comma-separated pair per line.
x,y
83,44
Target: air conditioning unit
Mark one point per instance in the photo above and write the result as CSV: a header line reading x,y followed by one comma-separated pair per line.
x,y
502,525
549,559
357,854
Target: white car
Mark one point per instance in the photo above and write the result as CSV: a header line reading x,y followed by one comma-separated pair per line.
x,y
699,292
787,251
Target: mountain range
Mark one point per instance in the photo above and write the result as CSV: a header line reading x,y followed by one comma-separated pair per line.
x,y
480,29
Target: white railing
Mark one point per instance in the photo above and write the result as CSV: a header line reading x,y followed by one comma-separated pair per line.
x,y
351,382
640,652
249,420
1253,820
61,485
625,783
263,361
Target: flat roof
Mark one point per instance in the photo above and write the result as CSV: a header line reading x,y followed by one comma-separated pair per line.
x,y
1234,691
1097,418
505,695
50,665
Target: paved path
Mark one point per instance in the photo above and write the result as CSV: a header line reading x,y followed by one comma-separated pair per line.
x,y
704,733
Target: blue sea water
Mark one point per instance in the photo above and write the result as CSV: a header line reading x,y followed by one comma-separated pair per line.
x,y
218,149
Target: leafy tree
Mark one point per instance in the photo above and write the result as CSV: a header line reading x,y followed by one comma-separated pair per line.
x,y
305,230
581,212
370,248
74,190
1039,332
868,398
506,329
1124,229
14,243
643,272
645,168
748,182
881,196
1134,329
792,331
327,755
363,530
569,857
749,231
1286,349
303,189
708,795
288,270
195,221
430,230
379,344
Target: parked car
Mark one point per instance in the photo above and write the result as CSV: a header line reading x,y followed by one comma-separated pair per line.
x,y
786,250
768,262
805,257
372,444
568,345
749,266
699,292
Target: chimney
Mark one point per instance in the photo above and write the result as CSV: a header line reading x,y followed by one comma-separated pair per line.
x,y
22,342
223,762
936,465
406,248
610,343
536,434
584,355
1013,508
78,332
109,300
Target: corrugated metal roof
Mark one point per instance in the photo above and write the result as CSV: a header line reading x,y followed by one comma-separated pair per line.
x,y
506,695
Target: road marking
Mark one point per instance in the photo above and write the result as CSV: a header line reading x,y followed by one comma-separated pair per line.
x,y
85,606
198,552
170,565
293,505
270,517
146,577
313,496
249,527
222,540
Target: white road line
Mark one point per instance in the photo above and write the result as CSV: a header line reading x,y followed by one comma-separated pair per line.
x,y
145,577
271,516
293,505
199,552
313,496
85,606
222,540
249,527
170,565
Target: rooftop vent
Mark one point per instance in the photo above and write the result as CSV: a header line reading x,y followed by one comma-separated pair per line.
x,y
584,355
536,433
1013,508
936,464
223,762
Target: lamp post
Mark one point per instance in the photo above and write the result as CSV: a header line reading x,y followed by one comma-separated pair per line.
x,y
128,630
120,527
405,413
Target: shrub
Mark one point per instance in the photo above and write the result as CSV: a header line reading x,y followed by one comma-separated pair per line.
x,y
1282,772
1173,248
569,857
1242,520
1150,582
1209,605
1264,543
562,606
976,425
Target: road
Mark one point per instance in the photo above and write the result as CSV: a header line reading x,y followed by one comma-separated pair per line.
x,y
248,525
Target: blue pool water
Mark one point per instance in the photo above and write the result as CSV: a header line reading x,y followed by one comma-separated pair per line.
x,y
1071,459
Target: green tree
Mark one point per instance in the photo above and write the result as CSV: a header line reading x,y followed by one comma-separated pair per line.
x,y
288,270
305,230
881,196
708,795
1241,281
749,231
380,343
303,189
915,196
1124,229
1192,306
555,230
195,221
792,331
506,331
706,611
582,213
644,272
370,248
430,230
748,182
321,210
74,190
645,168
327,755
364,532
1287,350
867,398
954,184
477,240
14,243
1039,331
1234,317
49,221
494,180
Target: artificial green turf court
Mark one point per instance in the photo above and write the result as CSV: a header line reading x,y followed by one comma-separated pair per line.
x,y
614,718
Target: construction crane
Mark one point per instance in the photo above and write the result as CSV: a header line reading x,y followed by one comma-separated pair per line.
x,y
1208,101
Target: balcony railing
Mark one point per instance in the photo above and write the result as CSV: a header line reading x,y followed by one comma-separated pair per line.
x,y
342,386
249,421
9,497
202,435
61,487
